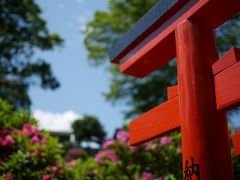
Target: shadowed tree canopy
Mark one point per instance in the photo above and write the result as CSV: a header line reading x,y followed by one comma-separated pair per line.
x,y
139,94
88,129
22,32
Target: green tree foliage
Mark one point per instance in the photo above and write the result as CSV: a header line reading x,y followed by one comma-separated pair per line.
x,y
140,94
88,129
22,32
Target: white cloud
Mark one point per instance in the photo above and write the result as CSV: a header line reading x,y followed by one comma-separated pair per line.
x,y
55,121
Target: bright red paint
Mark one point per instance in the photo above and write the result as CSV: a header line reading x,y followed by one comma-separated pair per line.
x,y
156,122
227,95
227,87
172,91
204,130
236,143
228,59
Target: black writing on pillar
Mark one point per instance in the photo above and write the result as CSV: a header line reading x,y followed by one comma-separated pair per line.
x,y
191,170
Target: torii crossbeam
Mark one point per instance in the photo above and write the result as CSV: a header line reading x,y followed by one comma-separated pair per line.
x,y
206,88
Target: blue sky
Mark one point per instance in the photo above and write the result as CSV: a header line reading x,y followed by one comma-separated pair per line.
x,y
81,85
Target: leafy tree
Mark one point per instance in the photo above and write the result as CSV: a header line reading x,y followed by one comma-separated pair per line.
x,y
88,129
140,94
22,32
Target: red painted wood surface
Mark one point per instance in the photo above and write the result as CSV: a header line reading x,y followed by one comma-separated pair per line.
x,y
204,130
156,122
227,92
159,47
236,143
228,59
172,91
227,87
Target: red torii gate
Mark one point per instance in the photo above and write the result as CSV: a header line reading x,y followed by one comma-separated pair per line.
x,y
206,88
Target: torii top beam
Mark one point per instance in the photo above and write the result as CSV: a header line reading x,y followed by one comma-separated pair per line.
x,y
151,42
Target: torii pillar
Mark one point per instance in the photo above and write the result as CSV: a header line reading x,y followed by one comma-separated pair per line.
x,y
204,130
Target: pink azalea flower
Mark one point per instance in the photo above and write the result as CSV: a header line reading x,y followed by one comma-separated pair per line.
x,y
8,141
122,136
54,167
47,177
36,132
165,140
161,178
15,132
106,154
147,176
107,143
38,152
98,158
71,163
8,176
111,155
27,130
35,140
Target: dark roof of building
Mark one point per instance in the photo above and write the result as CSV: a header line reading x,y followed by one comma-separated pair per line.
x,y
143,25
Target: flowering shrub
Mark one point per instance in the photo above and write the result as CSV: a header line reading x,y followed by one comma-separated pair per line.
x,y
106,155
26,152
157,159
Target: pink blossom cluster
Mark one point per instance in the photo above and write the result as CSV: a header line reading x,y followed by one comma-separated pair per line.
x,y
47,177
55,171
9,143
31,131
6,143
122,136
9,137
165,140
107,143
8,175
71,163
104,155
148,176
5,138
